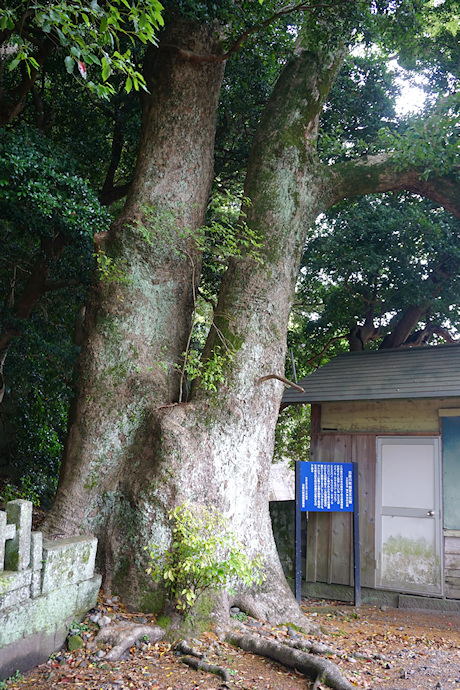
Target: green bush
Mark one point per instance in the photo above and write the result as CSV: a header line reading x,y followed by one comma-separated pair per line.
x,y
203,555
27,491
41,197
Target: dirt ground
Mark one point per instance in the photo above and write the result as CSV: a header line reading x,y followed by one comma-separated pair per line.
x,y
381,648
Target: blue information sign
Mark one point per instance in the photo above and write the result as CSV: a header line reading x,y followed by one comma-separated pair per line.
x,y
326,486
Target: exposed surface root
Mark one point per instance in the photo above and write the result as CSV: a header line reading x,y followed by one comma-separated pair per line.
x,y
311,647
275,609
123,635
317,669
200,665
318,648
183,647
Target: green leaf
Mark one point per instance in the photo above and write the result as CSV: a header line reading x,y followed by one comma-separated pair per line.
x,y
69,64
13,64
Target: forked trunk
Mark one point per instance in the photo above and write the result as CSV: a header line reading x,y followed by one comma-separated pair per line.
x,y
133,453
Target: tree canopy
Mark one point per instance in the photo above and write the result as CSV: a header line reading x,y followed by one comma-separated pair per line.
x,y
370,263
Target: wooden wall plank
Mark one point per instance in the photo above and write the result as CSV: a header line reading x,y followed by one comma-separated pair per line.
x,y
341,524
455,581
452,545
315,418
385,416
364,451
330,535
452,592
452,561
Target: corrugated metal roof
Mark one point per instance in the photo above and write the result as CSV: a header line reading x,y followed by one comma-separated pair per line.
x,y
422,372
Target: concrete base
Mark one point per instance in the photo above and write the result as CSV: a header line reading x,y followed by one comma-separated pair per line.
x,y
31,632
30,651
409,601
378,597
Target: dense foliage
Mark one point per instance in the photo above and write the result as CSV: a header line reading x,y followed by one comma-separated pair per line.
x,y
91,38
41,199
381,254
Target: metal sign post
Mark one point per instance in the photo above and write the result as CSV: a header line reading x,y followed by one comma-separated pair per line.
x,y
298,534
327,487
356,550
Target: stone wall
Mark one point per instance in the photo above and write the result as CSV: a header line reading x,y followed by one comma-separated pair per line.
x,y
44,586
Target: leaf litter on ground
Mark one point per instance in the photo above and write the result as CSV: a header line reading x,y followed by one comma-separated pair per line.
x,y
374,647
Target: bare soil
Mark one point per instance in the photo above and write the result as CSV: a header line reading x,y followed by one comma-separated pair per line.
x,y
381,648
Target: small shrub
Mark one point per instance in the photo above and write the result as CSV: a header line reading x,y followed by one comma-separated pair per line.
x,y
27,491
203,555
79,627
15,678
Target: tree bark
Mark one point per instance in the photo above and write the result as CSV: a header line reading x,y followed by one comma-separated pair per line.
x,y
406,324
138,317
131,453
372,174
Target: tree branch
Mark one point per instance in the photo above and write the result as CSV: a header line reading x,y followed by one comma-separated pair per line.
x,y
372,174
281,378
289,9
405,325
13,102
109,195
326,347
118,141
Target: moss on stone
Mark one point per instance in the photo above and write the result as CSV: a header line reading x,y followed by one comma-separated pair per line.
x,y
164,622
74,642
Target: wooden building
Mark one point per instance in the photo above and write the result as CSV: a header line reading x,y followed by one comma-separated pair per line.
x,y
397,414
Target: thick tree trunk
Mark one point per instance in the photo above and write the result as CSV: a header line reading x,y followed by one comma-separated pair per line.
x,y
138,315
405,326
132,454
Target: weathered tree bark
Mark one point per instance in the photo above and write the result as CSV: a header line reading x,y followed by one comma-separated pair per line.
x,y
132,452
372,174
406,324
138,318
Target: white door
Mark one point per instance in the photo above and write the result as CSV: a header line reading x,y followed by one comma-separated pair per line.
x,y
408,515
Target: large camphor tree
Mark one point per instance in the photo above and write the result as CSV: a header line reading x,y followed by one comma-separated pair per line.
x,y
138,443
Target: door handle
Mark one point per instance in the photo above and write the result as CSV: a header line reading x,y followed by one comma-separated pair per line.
x,y
430,513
